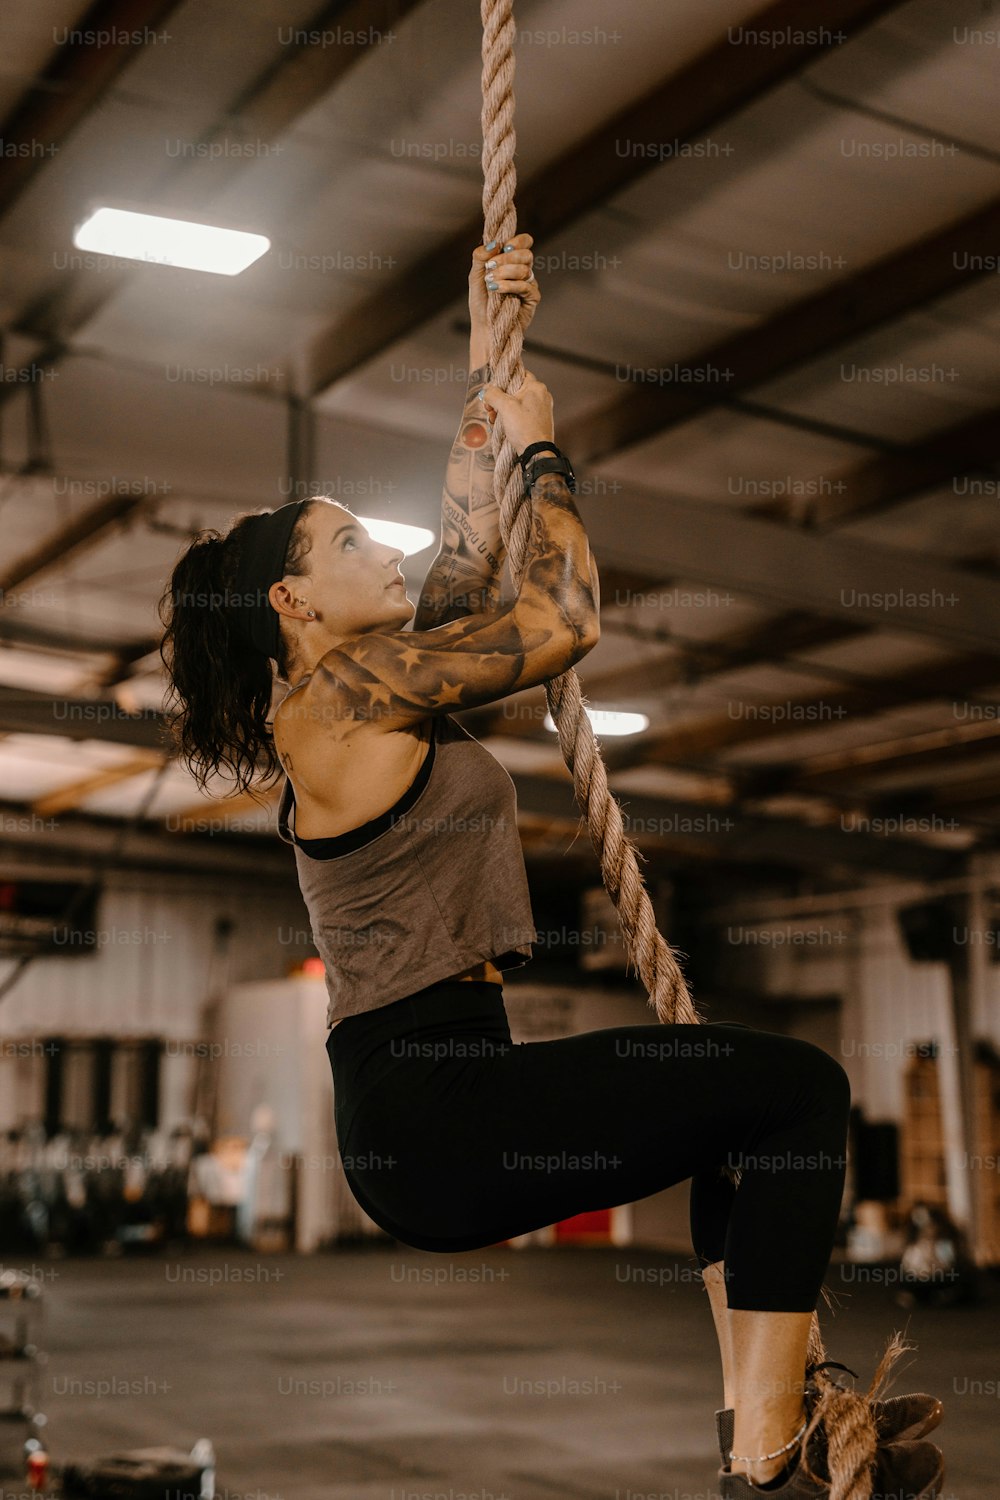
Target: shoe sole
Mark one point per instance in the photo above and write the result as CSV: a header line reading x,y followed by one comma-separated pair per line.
x,y
930,1491
909,1434
931,1487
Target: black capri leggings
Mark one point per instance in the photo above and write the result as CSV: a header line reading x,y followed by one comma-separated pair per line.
x,y
453,1137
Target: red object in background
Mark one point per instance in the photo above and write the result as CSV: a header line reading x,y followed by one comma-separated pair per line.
x,y
38,1469
589,1226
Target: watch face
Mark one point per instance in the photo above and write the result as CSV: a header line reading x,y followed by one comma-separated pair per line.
x,y
550,464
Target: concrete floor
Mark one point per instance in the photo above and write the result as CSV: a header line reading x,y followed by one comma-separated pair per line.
x,y
385,1373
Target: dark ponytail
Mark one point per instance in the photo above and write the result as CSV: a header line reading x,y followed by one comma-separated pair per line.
x,y
221,685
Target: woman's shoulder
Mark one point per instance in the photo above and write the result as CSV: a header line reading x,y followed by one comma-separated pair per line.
x,y
310,719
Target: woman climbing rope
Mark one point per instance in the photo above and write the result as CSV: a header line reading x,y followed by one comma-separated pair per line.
x,y
406,845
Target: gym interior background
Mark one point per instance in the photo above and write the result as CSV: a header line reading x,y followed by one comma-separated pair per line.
x,y
768,240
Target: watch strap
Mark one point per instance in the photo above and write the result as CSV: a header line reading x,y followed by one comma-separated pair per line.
x,y
533,448
559,465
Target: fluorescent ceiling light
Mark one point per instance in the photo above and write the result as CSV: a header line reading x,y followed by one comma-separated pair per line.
x,y
409,539
170,242
607,721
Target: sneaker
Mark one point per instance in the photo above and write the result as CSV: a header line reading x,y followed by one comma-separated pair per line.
x,y
897,1419
915,1412
902,1471
908,1471
798,1486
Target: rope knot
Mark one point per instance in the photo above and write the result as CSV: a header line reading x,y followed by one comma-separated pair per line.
x,y
842,1423
844,1436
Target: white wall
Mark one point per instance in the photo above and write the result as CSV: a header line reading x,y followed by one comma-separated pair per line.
x,y
157,964
157,961
890,1003
271,1037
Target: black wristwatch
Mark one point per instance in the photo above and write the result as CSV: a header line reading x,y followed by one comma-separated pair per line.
x,y
534,467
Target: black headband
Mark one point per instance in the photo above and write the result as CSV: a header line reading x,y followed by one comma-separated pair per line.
x,y
264,544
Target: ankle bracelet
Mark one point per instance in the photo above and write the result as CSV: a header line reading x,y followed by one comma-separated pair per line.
x,y
740,1458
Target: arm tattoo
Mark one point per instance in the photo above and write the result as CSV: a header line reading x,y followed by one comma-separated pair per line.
x,y
554,489
401,677
556,569
464,578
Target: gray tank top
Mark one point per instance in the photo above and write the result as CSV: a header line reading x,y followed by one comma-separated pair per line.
x,y
430,888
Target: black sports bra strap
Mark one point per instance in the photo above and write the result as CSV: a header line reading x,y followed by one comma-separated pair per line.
x,y
333,845
286,805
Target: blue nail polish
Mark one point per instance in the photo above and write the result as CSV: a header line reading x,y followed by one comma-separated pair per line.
x,y
492,286
508,247
491,245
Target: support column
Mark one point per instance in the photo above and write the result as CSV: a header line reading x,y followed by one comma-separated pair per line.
x,y
967,970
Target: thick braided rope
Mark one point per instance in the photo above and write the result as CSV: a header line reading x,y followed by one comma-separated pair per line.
x,y
646,949
848,1430
845,1416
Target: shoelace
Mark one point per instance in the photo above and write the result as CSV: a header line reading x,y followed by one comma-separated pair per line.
x,y
829,1364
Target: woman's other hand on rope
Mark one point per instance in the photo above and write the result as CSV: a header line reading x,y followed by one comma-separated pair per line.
x,y
527,414
509,271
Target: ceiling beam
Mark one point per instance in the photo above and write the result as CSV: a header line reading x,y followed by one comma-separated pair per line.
x,y
284,92
773,641
69,796
627,588
87,845
827,575
733,831
17,631
876,485
890,479
22,712
776,641
25,712
715,85
980,791
886,290
691,743
931,749
76,77
741,836
85,531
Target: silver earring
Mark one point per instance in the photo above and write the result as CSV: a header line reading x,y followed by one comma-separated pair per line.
x,y
312,614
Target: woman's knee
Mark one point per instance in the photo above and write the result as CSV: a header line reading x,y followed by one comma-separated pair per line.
x,y
804,1076
826,1079
797,1056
